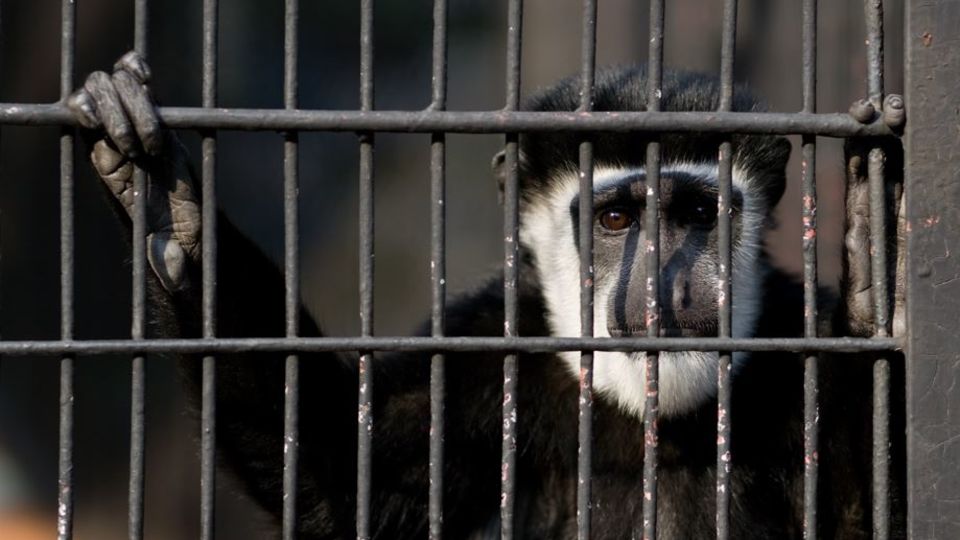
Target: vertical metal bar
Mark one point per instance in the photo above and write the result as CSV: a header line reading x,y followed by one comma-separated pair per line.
x,y
873,11
65,474
931,192
652,306
588,51
881,366
291,236
724,296
811,406
438,268
138,326
365,406
209,262
511,230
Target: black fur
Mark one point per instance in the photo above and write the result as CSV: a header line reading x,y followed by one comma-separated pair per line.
x,y
767,459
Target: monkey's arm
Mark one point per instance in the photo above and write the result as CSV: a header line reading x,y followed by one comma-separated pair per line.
x,y
250,303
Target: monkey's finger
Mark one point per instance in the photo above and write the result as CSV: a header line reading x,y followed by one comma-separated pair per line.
x,y
115,170
140,111
134,64
84,109
112,113
859,275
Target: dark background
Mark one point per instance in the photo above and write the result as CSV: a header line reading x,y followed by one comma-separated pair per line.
x,y
250,189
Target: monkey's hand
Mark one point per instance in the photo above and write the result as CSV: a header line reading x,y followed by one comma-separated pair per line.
x,y
858,286
120,107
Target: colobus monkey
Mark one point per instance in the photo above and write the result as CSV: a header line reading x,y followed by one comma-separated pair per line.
x,y
766,459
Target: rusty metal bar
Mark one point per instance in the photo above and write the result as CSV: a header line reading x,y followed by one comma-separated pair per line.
x,y
931,192
502,121
511,243
811,412
449,344
585,403
873,12
724,290
652,250
588,51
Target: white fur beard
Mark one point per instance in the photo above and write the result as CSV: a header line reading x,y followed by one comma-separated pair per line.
x,y
686,379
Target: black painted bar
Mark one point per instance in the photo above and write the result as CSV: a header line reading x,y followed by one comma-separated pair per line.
x,y
365,405
438,272
291,251
67,169
881,366
138,325
208,426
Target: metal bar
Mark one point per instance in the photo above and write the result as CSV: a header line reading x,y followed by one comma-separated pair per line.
x,y
448,344
502,121
931,192
724,289
438,269
652,307
811,405
138,323
881,367
511,231
873,11
588,51
365,405
725,363
209,263
291,236
67,169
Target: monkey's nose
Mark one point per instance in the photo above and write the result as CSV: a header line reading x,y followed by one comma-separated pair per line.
x,y
681,294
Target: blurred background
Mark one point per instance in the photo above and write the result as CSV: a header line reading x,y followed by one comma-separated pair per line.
x,y
250,190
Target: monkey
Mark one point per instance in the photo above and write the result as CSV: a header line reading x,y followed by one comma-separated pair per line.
x,y
766,460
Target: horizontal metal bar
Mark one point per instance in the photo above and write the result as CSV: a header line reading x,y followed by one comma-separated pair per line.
x,y
451,344
503,121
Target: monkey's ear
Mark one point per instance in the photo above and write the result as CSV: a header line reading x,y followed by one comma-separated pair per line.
x,y
768,161
498,164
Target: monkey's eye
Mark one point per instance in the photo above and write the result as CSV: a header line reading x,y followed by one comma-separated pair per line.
x,y
699,212
703,215
615,219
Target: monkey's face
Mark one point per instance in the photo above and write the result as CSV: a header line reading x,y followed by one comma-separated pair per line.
x,y
688,277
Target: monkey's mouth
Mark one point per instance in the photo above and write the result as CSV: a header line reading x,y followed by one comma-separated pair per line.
x,y
698,330
685,332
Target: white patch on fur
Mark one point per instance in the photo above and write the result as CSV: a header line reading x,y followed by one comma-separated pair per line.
x,y
687,379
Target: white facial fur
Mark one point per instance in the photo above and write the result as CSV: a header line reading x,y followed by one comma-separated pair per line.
x,y
687,379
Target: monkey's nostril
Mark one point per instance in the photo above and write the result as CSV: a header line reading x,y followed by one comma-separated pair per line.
x,y
681,294
686,300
